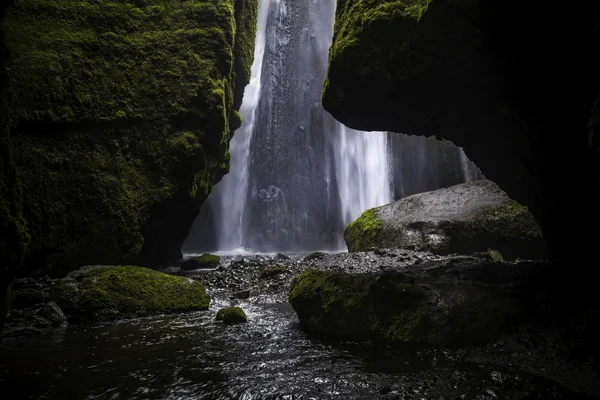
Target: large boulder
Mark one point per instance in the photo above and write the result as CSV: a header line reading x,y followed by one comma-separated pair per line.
x,y
463,302
104,293
467,218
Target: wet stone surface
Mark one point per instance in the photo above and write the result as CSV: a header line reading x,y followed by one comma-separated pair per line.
x,y
193,356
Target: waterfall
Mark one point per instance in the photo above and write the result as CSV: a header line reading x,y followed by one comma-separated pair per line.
x,y
298,176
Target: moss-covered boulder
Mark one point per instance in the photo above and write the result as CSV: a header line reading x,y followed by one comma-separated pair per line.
x,y
106,293
205,261
436,306
119,122
464,219
315,255
231,315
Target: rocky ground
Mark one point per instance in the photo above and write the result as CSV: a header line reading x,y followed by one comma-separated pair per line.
x,y
554,348
550,349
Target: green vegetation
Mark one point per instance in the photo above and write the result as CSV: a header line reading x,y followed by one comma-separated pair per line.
x,y
99,293
13,234
355,23
120,118
231,315
317,255
204,261
361,306
363,233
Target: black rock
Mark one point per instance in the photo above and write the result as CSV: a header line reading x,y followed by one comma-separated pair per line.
x,y
21,331
22,298
53,313
242,294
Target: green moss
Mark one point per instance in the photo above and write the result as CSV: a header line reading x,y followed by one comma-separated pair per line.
x,y
127,291
363,233
120,116
356,20
272,272
13,234
495,255
206,260
385,308
317,255
231,315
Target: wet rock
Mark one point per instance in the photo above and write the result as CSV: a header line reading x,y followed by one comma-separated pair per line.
x,y
272,272
22,331
242,294
27,297
317,255
497,378
52,312
464,219
105,293
231,315
432,305
205,261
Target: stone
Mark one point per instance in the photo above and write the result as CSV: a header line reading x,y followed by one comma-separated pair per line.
x,y
52,312
231,315
468,218
430,306
205,261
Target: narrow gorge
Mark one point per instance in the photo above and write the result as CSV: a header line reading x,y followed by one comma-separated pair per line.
x,y
298,177
287,200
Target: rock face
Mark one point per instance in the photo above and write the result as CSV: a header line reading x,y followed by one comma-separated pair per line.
x,y
469,71
118,124
464,219
432,306
108,293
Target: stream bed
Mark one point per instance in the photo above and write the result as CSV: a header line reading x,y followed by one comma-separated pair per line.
x,y
193,356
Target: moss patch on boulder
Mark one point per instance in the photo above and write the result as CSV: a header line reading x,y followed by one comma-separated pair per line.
x,y
317,255
447,306
231,315
467,218
361,306
363,233
108,293
206,261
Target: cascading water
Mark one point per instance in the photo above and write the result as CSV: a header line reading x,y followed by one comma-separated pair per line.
x,y
298,176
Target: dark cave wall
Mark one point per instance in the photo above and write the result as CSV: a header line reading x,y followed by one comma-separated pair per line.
x,y
117,124
512,83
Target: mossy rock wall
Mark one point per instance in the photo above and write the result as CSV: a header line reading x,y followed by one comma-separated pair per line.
x,y
430,307
120,119
477,73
